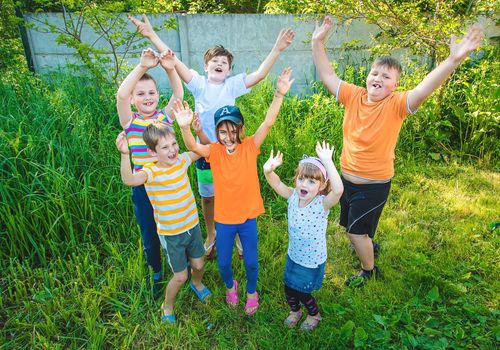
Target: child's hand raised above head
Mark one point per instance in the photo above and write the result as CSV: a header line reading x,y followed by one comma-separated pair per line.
x,y
145,28
167,59
284,82
149,58
285,38
471,41
196,124
321,32
121,143
325,152
183,114
273,162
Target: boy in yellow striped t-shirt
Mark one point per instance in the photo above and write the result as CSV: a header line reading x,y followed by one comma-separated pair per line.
x,y
176,216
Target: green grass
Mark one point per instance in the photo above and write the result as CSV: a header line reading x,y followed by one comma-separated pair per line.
x,y
73,272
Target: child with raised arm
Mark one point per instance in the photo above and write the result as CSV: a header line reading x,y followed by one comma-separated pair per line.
x,y
211,92
372,122
238,202
167,186
140,90
317,188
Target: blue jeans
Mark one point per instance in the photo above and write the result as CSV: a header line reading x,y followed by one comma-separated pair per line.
x,y
225,242
146,220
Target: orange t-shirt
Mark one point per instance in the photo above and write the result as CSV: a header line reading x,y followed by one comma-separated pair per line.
x,y
370,132
236,182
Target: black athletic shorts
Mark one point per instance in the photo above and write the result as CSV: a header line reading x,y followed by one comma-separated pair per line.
x,y
361,206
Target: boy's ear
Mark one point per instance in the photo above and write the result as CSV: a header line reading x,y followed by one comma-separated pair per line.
x,y
152,152
205,68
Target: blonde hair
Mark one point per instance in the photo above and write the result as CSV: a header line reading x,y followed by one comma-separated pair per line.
x,y
154,132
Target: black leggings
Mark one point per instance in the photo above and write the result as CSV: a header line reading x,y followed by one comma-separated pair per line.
x,y
294,298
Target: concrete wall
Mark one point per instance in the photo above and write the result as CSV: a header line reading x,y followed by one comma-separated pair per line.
x,y
249,37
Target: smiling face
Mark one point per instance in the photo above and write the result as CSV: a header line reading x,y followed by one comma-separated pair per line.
x,y
167,150
381,82
145,97
217,69
229,135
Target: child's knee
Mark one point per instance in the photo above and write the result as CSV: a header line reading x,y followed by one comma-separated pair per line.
x,y
180,277
197,264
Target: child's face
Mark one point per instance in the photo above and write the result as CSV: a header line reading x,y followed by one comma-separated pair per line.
x,y
381,82
228,136
217,69
145,97
307,188
167,150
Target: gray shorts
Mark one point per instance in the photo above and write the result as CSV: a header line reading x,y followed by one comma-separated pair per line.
x,y
179,248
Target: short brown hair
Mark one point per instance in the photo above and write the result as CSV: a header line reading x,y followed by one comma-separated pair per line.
x,y
311,171
231,126
146,76
389,62
154,132
218,50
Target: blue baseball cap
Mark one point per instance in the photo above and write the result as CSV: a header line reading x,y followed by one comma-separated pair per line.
x,y
231,113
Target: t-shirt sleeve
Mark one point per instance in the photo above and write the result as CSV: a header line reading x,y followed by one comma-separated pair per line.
x,y
196,83
186,160
149,172
400,102
251,145
347,92
291,197
236,85
213,152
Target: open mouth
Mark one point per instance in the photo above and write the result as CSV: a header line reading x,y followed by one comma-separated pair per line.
x,y
218,70
303,193
377,86
172,156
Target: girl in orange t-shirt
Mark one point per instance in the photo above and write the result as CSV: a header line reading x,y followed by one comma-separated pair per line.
x,y
238,202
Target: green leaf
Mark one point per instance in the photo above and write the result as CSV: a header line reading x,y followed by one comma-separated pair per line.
x,y
346,330
360,337
433,294
380,320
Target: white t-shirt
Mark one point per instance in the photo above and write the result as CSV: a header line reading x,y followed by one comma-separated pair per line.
x,y
210,97
307,231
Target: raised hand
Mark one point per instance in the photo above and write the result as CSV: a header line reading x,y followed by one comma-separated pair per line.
x,y
196,124
183,114
273,162
284,82
167,59
325,151
471,41
144,27
121,143
285,38
149,58
321,32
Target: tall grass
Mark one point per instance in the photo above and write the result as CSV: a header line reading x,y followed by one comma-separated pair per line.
x,y
73,274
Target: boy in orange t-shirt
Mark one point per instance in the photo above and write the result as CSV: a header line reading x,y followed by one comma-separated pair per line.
x,y
372,121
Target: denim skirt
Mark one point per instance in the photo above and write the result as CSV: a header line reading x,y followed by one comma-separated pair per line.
x,y
303,279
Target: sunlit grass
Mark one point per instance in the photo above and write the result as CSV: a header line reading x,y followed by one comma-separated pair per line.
x,y
74,276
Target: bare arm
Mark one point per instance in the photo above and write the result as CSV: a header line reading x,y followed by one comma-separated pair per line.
x,y
282,88
325,71
325,154
433,80
149,59
184,117
128,178
167,61
273,179
285,38
146,30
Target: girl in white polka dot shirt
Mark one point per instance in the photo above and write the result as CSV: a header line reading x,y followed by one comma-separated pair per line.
x,y
318,187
